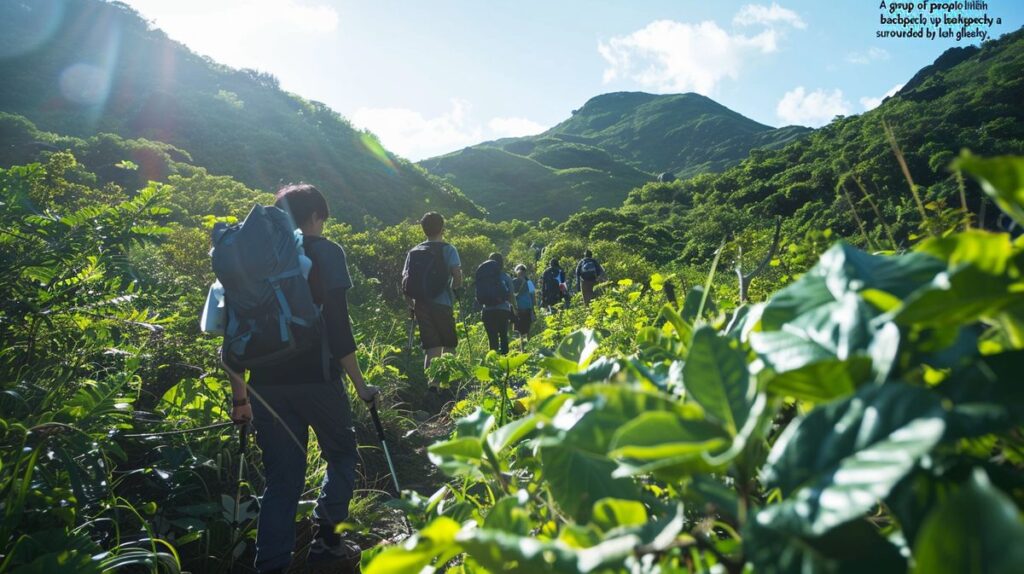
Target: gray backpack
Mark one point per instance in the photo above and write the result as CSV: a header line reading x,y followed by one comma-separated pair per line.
x,y
271,315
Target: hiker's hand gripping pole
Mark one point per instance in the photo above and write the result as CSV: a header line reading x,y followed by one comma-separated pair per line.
x,y
383,442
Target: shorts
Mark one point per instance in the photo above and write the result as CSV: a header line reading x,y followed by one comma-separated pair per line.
x,y
437,325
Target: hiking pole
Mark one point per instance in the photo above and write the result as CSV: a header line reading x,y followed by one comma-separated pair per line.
x,y
243,443
384,444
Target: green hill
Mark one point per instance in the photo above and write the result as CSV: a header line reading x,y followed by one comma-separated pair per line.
x,y
612,144
81,82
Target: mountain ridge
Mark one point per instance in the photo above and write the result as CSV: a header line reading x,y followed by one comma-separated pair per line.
x,y
621,139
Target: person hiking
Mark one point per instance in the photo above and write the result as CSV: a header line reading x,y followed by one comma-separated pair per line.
x,y
432,272
302,391
588,273
553,287
494,292
525,292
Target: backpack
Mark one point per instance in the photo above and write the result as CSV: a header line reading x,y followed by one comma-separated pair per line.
x,y
549,283
588,269
271,315
490,289
425,274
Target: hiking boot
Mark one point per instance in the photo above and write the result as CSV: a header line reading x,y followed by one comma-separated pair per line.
x,y
342,554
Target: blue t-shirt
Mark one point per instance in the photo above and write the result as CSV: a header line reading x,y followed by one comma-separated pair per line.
x,y
451,258
524,290
504,305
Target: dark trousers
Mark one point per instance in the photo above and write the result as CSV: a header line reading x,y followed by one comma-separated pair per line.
x,y
523,322
587,287
496,325
282,417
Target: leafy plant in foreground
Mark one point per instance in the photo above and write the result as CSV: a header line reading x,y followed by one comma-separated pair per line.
x,y
866,417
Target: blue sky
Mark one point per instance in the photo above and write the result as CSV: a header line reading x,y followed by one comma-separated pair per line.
x,y
433,77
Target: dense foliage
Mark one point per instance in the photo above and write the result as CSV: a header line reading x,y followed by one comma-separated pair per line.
x,y
865,418
80,67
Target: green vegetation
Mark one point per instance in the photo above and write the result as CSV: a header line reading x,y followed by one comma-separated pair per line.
x,y
615,142
232,122
864,418
863,413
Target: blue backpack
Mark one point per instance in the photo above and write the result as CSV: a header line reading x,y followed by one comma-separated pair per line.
x,y
490,289
271,315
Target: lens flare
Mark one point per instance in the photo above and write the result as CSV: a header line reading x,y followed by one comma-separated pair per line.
x,y
85,84
370,142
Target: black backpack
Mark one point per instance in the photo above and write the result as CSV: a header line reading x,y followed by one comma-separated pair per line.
x,y
271,315
549,281
425,274
588,269
490,289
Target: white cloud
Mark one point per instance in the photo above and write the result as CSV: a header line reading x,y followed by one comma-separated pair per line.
x,y
412,135
872,103
670,56
813,109
760,14
514,127
673,56
872,54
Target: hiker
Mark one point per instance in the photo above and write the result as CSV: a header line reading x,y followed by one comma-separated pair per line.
x,y
432,271
301,391
588,273
525,292
494,292
553,287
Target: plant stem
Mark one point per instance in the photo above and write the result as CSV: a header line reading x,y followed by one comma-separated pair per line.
x,y
906,174
878,213
853,210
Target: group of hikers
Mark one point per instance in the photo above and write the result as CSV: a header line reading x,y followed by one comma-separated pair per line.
x,y
433,274
285,320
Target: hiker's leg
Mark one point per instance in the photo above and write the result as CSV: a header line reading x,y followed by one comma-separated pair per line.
x,y
281,434
491,327
588,291
503,331
331,418
431,354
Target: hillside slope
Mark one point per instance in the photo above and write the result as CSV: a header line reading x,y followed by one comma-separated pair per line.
x,y
85,67
612,144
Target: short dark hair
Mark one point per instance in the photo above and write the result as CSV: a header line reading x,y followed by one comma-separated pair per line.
x,y
588,253
432,223
553,263
497,257
301,201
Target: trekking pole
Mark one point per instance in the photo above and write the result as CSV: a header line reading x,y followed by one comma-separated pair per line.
x,y
384,444
243,443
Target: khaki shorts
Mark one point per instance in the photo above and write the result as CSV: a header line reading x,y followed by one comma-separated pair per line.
x,y
437,325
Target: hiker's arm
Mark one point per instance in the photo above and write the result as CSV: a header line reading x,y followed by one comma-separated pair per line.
x,y
241,410
456,277
368,393
343,342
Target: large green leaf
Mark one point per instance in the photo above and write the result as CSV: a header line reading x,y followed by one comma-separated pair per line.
x,y
715,376
500,551
1002,178
987,395
853,548
845,269
611,513
579,347
822,381
976,530
658,435
841,459
578,478
436,541
959,297
989,252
